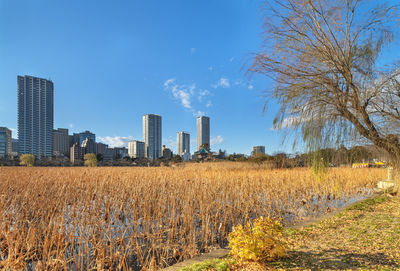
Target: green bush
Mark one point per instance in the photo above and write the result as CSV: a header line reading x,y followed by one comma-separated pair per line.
x,y
258,243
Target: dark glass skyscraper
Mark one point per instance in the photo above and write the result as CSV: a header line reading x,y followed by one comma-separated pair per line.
x,y
35,116
203,131
152,135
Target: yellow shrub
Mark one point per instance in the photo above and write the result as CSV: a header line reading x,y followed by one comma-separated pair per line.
x,y
258,243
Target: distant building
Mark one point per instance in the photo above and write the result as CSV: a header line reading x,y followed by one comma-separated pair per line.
x,y
186,156
35,116
76,153
120,152
14,143
86,134
61,142
74,138
220,154
101,148
152,135
203,153
166,153
89,145
5,142
183,143
136,149
109,154
203,132
258,149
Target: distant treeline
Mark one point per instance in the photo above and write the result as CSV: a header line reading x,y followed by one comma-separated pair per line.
x,y
330,157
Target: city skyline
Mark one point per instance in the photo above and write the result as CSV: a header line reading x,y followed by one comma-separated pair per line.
x,y
145,57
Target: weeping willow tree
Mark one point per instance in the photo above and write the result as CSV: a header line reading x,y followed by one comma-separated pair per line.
x,y
332,83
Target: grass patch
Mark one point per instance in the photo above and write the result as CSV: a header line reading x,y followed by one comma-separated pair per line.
x,y
364,236
367,205
215,264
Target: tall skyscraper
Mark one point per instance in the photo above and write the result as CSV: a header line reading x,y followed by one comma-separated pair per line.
x,y
5,142
35,116
203,131
152,135
183,143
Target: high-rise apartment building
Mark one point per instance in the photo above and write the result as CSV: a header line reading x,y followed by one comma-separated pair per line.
x,y
101,147
203,131
86,134
258,149
89,145
183,143
136,149
152,135
35,116
76,153
5,142
61,142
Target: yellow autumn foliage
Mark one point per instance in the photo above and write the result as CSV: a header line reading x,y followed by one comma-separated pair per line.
x,y
259,242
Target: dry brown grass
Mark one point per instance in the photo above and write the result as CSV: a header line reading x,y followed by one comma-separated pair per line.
x,y
131,218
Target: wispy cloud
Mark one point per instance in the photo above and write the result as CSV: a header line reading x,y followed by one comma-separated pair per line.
x,y
199,113
216,140
238,82
71,125
203,93
250,86
182,93
231,59
171,143
210,68
222,82
209,104
187,94
116,141
192,50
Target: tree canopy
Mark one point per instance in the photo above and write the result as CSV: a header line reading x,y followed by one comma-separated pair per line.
x,y
90,160
27,160
331,83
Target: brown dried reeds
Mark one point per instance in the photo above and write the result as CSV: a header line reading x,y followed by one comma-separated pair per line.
x,y
134,218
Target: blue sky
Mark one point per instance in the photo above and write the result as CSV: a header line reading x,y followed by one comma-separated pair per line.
x,y
113,61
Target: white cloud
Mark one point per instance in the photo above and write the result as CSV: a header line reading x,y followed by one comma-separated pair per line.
x,y
116,141
210,68
238,82
250,86
192,50
71,125
13,131
222,82
170,143
185,94
216,140
288,123
199,113
202,94
182,93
